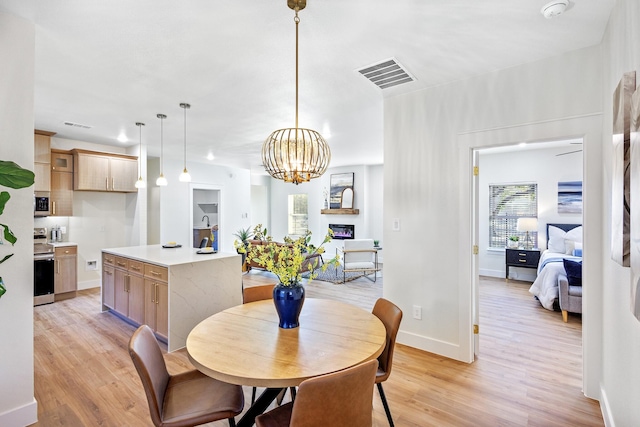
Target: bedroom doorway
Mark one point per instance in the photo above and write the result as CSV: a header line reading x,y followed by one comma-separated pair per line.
x,y
546,164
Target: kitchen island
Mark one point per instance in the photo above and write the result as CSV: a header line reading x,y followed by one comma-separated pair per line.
x,y
169,289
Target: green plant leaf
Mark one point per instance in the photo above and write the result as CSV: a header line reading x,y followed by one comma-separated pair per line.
x,y
2,288
13,176
8,235
6,258
4,198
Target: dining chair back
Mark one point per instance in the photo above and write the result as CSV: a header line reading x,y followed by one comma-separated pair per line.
x,y
338,399
257,293
182,400
390,316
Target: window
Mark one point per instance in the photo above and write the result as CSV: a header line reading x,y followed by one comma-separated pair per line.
x,y
507,203
298,223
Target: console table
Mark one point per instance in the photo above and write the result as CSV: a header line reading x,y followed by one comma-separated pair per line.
x,y
525,258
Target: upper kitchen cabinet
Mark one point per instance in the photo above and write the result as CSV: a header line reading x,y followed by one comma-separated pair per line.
x,y
42,160
61,200
94,171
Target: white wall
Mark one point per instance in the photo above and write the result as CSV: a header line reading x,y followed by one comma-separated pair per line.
x,y
234,187
368,199
17,45
620,330
539,165
429,138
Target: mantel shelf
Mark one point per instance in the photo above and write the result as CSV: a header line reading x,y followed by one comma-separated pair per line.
x,y
337,211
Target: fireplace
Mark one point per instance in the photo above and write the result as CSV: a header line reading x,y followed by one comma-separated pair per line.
x,y
342,231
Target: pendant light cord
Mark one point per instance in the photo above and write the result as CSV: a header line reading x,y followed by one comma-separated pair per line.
x,y
296,19
185,137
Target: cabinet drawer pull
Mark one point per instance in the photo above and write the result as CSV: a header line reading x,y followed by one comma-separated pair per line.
x,y
135,268
522,260
521,254
54,208
121,264
107,272
155,273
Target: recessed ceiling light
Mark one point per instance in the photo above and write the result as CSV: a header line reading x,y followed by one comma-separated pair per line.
x,y
122,138
210,156
522,144
554,8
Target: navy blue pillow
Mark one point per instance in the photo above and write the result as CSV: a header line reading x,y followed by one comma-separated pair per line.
x,y
574,272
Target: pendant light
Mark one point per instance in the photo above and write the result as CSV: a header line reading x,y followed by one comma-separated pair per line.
x,y
294,154
161,181
140,182
184,176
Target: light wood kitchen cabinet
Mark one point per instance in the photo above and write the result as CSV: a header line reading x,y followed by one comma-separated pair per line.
x,y
137,290
156,306
61,161
94,171
42,160
65,281
108,285
61,199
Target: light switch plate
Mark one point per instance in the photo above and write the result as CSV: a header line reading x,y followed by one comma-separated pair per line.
x,y
395,225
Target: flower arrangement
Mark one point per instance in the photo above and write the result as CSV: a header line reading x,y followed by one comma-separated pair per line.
x,y
290,260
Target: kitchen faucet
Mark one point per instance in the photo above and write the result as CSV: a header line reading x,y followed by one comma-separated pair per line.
x,y
206,216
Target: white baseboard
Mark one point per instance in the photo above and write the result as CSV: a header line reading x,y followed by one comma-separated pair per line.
x,y
22,416
442,348
491,273
89,284
606,409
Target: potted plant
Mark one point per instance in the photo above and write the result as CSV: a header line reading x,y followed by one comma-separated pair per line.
x,y
243,236
513,242
289,261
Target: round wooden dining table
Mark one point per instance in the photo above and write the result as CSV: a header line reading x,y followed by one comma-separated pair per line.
x,y
243,345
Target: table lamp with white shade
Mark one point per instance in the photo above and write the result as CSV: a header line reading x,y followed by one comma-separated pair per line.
x,y
527,224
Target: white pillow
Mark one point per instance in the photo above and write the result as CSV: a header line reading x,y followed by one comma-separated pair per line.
x,y
555,240
569,246
575,234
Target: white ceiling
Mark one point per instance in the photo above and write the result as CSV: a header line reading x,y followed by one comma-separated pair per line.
x,y
112,63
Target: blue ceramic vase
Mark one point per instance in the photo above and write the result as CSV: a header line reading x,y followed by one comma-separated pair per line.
x,y
288,301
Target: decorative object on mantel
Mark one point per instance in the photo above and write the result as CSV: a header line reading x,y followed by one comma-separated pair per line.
x,y
296,154
325,194
184,176
285,261
161,181
12,176
339,182
140,182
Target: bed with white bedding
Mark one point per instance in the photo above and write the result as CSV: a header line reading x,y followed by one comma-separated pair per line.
x,y
564,241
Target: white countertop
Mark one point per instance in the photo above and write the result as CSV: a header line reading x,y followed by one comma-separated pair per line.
x,y
166,257
63,244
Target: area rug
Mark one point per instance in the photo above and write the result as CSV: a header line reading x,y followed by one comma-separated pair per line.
x,y
335,275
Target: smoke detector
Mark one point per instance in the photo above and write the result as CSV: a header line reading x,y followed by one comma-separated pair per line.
x,y
554,8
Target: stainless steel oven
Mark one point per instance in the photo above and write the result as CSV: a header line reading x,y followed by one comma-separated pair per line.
x,y
43,268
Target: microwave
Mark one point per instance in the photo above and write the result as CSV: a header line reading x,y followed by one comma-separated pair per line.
x,y
41,203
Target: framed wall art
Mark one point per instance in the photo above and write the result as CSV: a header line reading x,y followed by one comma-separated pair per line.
x,y
339,182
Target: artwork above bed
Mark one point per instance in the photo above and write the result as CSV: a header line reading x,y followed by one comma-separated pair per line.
x,y
564,241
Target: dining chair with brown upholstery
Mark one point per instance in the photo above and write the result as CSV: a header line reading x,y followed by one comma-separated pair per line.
x,y
338,399
390,315
253,294
186,399
257,293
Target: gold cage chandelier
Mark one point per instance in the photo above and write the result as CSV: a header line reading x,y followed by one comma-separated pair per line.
x,y
296,154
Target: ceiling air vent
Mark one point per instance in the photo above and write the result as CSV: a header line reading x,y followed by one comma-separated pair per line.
x,y
77,125
386,74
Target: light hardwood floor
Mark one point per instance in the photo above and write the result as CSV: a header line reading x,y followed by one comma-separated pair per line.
x,y
528,372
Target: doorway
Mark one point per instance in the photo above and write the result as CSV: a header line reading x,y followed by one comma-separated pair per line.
x,y
543,166
205,216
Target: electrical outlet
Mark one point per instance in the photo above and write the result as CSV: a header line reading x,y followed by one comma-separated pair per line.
x,y
91,265
417,312
63,230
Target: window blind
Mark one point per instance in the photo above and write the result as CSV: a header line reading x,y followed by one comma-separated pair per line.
x,y
507,203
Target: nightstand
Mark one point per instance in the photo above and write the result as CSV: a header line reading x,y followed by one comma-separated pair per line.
x,y
525,258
